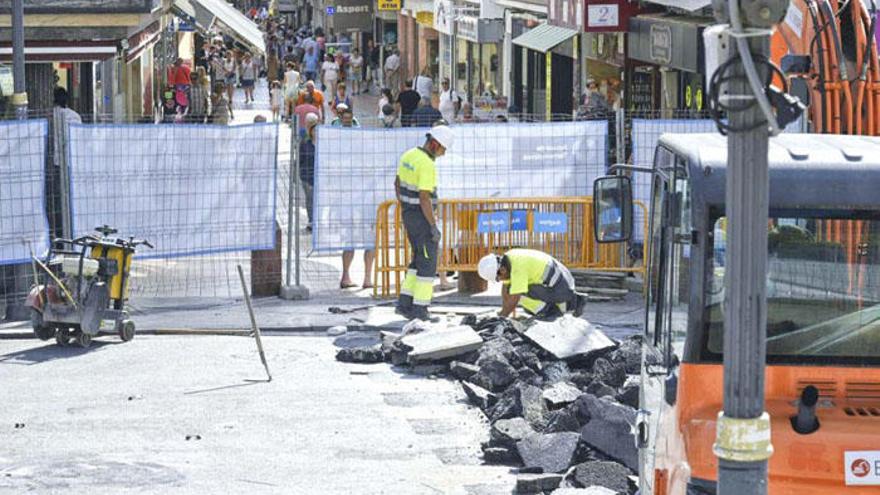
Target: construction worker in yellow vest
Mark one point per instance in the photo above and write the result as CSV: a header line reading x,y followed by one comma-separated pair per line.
x,y
416,189
539,283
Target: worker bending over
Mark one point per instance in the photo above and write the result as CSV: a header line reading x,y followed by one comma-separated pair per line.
x,y
537,281
416,189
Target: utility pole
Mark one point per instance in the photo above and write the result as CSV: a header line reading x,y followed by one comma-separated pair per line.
x,y
742,442
19,95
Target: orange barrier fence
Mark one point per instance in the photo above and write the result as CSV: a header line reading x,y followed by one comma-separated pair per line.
x,y
471,228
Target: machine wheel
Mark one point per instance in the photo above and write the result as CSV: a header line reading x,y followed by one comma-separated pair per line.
x,y
62,337
83,339
40,331
126,330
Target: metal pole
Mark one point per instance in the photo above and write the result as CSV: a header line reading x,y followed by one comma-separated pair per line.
x,y
743,429
292,185
19,95
294,154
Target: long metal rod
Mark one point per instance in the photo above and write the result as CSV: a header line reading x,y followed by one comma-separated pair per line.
x,y
19,97
291,185
254,327
294,153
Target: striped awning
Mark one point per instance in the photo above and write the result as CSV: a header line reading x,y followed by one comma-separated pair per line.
x,y
544,37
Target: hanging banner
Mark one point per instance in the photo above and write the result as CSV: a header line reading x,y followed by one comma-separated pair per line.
x,y
355,171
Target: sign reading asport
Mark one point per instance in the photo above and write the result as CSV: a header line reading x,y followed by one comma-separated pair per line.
x,y
353,15
862,467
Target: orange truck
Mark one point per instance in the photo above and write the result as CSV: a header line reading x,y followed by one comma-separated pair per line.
x,y
823,302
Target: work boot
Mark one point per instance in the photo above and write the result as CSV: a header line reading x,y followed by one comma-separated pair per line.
x,y
549,313
579,302
421,313
404,311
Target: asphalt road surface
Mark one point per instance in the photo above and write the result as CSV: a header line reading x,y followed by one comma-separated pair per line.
x,y
180,414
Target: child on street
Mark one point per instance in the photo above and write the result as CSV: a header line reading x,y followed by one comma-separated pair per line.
x,y
277,100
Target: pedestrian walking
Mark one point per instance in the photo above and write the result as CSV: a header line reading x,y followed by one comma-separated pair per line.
x,y
198,99
248,73
392,72
276,98
593,105
426,115
221,110
539,283
306,107
356,71
230,77
416,191
450,102
346,119
374,74
292,84
317,98
385,99
407,102
340,98
424,84
307,162
329,74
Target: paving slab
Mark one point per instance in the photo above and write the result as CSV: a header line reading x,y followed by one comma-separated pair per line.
x,y
568,337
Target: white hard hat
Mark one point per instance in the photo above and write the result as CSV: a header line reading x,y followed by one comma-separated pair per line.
x,y
488,267
443,135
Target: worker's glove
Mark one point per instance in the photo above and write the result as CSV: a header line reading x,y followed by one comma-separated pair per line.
x,y
435,233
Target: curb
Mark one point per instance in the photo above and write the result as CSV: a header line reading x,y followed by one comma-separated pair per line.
x,y
221,332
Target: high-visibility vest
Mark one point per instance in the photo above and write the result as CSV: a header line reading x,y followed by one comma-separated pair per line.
x,y
416,172
528,267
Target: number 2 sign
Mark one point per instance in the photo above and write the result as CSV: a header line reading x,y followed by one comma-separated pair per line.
x,y
603,16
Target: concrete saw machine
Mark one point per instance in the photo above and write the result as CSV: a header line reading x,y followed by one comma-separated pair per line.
x,y
85,288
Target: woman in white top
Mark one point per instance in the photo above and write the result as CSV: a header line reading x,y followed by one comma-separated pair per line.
x,y
424,85
292,82
330,71
355,70
230,77
248,77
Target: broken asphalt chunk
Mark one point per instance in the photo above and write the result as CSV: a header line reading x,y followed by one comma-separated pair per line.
x,y
552,452
371,354
537,483
610,428
561,394
479,396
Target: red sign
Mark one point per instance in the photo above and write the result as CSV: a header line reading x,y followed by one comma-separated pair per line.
x,y
608,15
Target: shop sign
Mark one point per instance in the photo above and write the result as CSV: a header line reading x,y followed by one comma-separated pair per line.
x,y
566,13
443,16
478,30
389,5
661,44
425,18
608,15
668,41
352,15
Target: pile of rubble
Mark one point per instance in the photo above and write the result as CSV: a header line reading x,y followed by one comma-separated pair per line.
x,y
561,397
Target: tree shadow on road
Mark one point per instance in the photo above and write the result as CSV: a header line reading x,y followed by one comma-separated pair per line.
x,y
50,352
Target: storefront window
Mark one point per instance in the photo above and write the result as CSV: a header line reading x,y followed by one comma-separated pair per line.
x,y
462,67
6,90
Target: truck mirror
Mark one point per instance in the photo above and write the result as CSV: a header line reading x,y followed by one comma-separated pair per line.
x,y
612,209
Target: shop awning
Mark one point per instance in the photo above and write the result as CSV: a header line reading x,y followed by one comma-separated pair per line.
x,y
226,18
62,51
544,37
689,5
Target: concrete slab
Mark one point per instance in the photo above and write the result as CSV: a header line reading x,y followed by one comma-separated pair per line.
x,y
440,343
567,337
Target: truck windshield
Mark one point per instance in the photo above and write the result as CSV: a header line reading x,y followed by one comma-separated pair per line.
x,y
823,290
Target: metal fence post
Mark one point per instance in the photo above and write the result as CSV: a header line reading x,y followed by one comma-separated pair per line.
x,y
294,291
620,137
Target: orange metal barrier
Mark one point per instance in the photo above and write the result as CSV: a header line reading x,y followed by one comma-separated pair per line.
x,y
463,242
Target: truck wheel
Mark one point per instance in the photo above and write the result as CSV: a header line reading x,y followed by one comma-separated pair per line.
x,y
40,331
62,337
126,330
83,339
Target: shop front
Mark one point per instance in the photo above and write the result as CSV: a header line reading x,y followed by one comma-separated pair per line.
x,y
478,68
544,72
665,66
